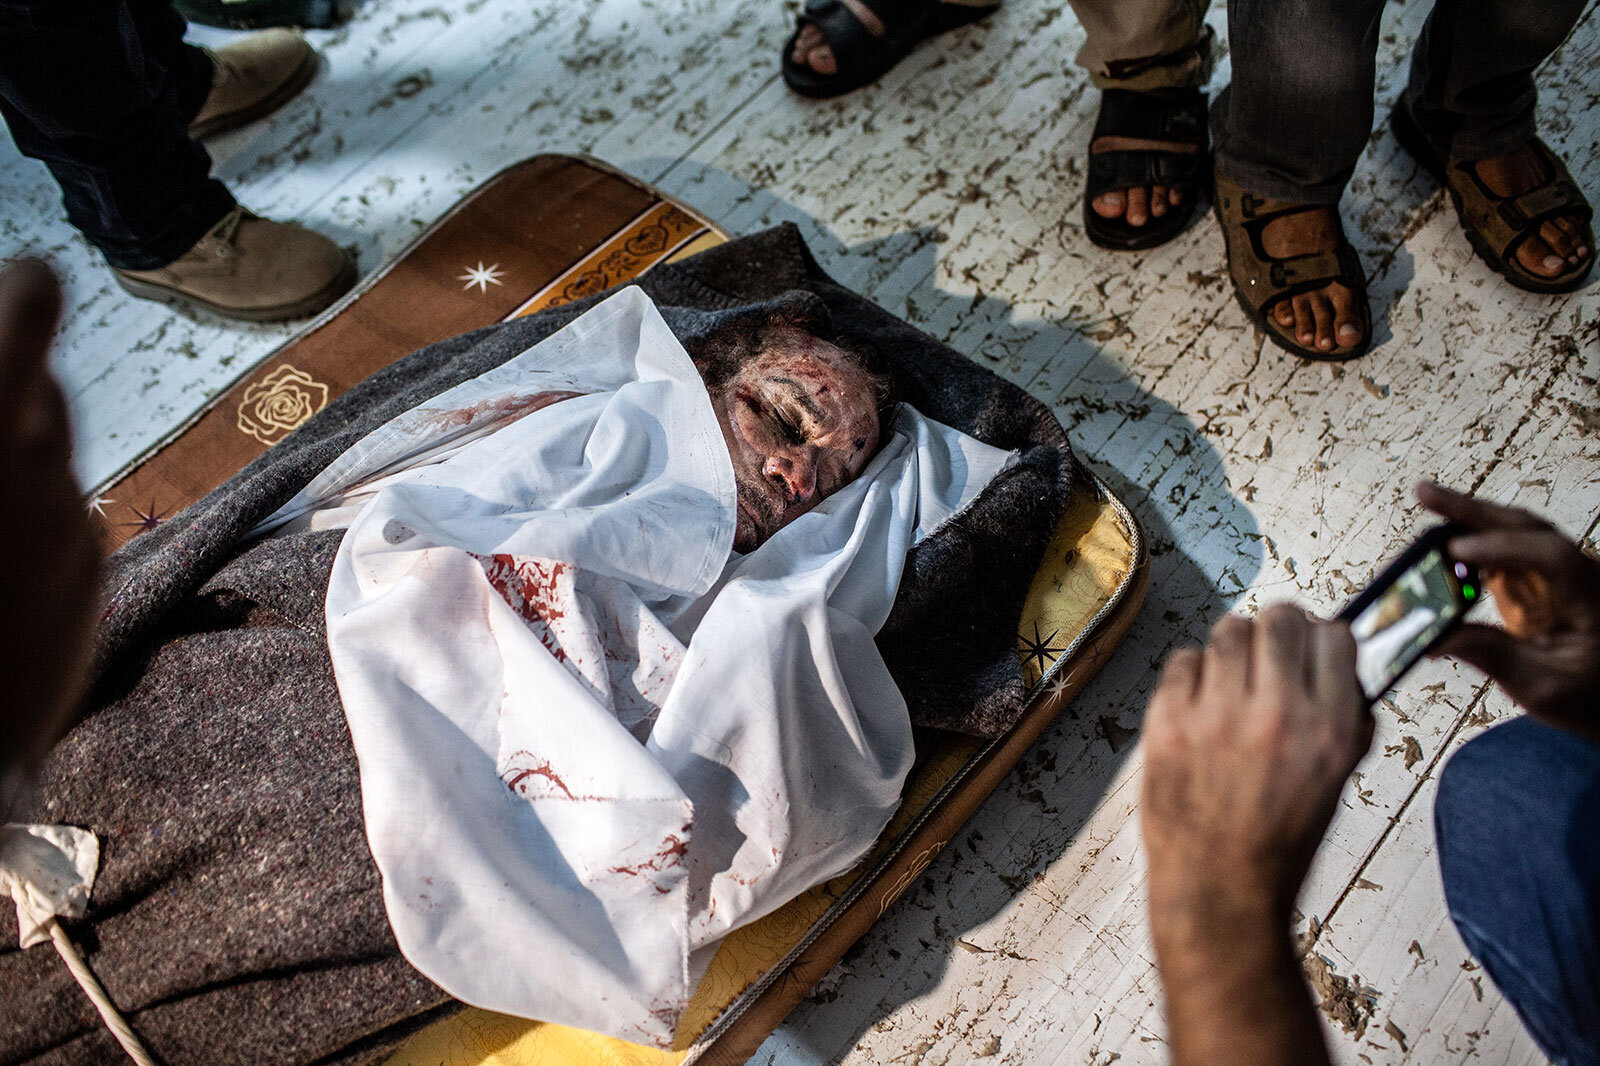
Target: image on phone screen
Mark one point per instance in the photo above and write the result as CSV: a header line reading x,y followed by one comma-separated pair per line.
x,y
1396,628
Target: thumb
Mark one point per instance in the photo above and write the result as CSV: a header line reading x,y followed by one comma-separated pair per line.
x,y
30,304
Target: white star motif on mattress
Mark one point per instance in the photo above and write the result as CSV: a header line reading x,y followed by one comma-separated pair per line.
x,y
97,505
481,276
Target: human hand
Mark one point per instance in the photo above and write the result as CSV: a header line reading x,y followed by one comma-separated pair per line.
x,y
47,590
1547,657
1247,745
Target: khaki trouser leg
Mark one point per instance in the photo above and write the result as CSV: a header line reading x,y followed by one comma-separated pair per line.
x,y
1144,44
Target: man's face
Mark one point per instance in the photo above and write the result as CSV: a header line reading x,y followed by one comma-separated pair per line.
x,y
800,422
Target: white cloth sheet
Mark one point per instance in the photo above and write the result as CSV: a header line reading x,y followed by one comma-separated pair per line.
x,y
592,738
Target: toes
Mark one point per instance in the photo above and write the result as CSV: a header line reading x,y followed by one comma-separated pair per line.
x,y
820,59
1539,258
1346,319
1138,206
1559,240
1322,315
1573,228
1305,326
805,42
1158,200
1175,195
811,50
1283,312
1109,204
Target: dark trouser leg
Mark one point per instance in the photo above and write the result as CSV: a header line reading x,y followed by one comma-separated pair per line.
x,y
161,29
1296,117
1471,87
102,91
1518,825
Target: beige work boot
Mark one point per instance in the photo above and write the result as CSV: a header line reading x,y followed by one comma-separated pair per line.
x,y
254,77
251,268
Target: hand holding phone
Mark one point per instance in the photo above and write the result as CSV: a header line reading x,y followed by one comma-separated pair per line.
x,y
1409,608
1547,657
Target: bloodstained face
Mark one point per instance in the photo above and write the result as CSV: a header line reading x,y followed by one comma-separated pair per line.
x,y
800,420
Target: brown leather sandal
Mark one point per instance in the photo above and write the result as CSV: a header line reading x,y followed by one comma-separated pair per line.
x,y
1262,281
1498,225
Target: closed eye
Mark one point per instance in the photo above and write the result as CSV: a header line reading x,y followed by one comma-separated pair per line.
x,y
788,428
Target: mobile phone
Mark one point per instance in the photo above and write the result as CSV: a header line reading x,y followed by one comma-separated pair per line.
x,y
1409,608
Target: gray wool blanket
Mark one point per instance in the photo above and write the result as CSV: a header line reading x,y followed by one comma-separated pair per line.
x,y
238,915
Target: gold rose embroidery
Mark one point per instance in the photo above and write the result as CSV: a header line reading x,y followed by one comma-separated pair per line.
x,y
274,406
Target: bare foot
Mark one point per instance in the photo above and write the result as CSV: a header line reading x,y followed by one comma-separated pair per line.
x,y
1327,318
1559,245
1139,203
811,49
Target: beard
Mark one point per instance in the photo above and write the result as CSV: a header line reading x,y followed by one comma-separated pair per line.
x,y
757,509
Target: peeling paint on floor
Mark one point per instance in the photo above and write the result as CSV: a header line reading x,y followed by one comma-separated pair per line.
x,y
951,194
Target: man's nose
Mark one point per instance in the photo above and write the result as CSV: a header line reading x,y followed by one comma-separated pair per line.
x,y
796,469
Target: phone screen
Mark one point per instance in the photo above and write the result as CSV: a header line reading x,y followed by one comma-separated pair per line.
x,y
1396,628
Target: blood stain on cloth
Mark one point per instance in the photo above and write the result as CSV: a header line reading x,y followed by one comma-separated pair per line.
x,y
667,1014
539,590
526,769
504,409
670,853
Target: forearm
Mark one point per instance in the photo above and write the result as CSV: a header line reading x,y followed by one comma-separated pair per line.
x,y
1246,745
1234,988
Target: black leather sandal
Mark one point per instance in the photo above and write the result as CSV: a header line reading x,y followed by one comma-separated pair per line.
x,y
860,57
1174,115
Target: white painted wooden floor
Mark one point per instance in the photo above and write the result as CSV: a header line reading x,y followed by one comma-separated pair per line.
x,y
950,193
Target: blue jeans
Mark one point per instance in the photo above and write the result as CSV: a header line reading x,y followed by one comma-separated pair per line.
x,y
1518,825
1299,111
102,92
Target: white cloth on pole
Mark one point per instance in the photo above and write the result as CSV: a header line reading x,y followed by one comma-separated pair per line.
x,y
48,871
592,738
